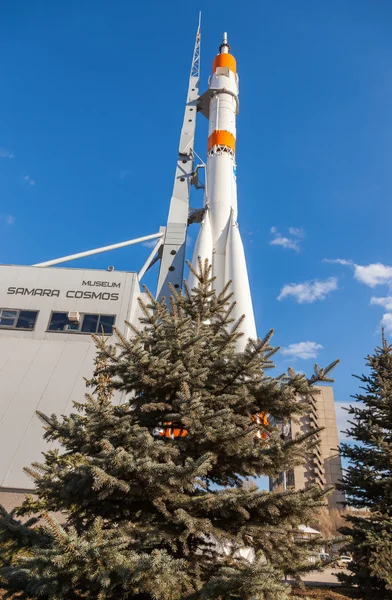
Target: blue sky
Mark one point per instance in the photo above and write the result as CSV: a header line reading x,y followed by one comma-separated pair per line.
x,y
91,107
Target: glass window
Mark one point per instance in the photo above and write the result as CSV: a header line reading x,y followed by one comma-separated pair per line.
x,y
18,319
90,323
7,317
106,323
58,321
26,319
72,326
11,314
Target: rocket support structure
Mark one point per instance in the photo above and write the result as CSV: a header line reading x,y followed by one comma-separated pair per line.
x,y
172,253
219,239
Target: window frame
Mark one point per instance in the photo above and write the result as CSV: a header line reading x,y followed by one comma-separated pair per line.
x,y
18,311
79,331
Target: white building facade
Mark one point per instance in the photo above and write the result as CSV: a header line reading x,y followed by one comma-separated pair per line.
x,y
47,318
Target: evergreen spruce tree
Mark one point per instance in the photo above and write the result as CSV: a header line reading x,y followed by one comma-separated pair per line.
x,y
368,479
146,499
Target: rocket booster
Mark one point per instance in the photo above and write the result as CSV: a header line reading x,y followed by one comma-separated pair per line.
x,y
219,238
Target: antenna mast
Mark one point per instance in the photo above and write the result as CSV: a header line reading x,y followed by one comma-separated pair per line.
x,y
174,242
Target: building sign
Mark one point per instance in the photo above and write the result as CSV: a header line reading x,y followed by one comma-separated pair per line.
x,y
102,284
76,294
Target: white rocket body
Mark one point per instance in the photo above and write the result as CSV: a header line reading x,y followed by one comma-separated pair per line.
x,y
219,238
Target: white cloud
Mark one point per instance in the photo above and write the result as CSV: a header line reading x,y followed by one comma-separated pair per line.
x,y
293,243
285,243
338,261
309,291
29,180
374,274
6,153
303,350
7,219
385,302
371,275
386,322
296,232
342,418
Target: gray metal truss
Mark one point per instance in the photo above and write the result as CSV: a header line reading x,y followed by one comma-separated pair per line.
x,y
174,242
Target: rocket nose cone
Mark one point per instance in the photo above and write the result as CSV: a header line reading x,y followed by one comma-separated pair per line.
x,y
224,48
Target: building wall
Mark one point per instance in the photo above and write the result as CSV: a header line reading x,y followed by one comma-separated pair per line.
x,y
324,467
44,370
332,463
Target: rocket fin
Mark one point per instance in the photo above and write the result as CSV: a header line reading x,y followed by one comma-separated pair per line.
x,y
236,271
203,247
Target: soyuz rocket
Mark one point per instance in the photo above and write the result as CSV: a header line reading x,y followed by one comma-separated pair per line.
x,y
219,238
